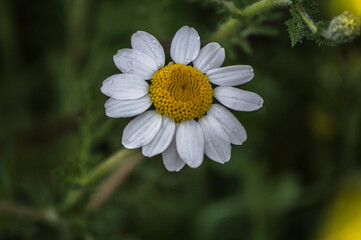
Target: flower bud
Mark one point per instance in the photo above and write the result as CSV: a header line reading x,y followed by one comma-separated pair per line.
x,y
343,28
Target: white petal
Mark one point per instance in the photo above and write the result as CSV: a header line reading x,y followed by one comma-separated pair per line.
x,y
135,62
217,144
231,75
185,45
236,132
149,45
238,99
171,159
125,86
116,108
162,140
210,56
142,129
190,143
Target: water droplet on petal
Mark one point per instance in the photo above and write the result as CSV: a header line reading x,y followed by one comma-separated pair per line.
x,y
110,82
235,130
129,64
183,154
198,37
152,49
154,41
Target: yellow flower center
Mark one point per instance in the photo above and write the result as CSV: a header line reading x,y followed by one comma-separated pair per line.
x,y
181,92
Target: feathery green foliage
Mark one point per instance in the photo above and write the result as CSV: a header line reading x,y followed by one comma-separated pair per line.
x,y
297,29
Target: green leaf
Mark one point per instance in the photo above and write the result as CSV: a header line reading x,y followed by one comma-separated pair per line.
x,y
297,29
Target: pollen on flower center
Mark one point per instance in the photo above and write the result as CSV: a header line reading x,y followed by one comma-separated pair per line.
x,y
181,92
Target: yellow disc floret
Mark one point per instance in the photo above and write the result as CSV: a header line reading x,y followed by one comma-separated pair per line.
x,y
181,92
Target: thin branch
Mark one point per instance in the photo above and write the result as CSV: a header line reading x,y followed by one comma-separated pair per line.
x,y
108,165
306,18
110,184
225,29
48,215
261,6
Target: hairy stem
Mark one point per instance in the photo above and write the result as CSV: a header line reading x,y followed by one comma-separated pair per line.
x,y
47,215
108,165
111,183
261,6
306,19
225,29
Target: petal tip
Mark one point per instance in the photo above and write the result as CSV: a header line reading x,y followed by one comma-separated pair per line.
x,y
194,165
174,169
145,154
107,114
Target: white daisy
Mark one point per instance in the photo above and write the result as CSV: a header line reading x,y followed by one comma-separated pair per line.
x,y
185,123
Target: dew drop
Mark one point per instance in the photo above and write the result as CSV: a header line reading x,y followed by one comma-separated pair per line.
x,y
152,49
184,154
110,82
154,41
140,136
129,64
235,130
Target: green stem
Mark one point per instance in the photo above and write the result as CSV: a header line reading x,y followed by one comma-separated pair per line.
x,y
261,6
47,215
109,164
71,199
225,29
78,22
306,19
112,182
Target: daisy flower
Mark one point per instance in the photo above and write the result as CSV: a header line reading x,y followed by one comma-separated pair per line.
x,y
174,104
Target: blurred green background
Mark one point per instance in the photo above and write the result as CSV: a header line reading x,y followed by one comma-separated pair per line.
x,y
298,176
